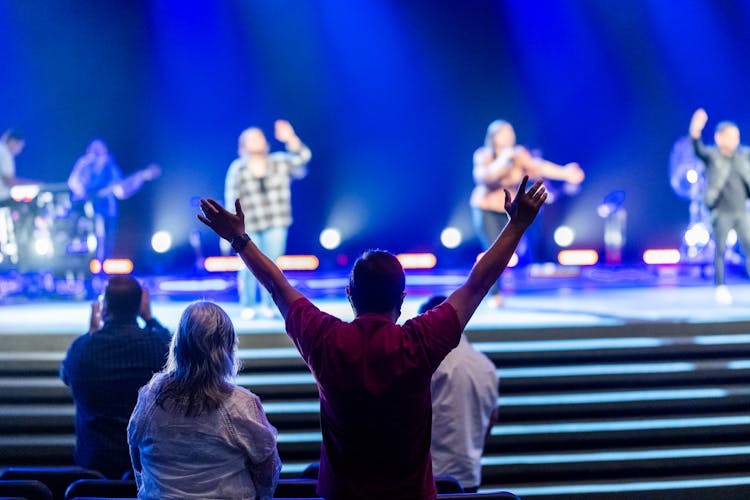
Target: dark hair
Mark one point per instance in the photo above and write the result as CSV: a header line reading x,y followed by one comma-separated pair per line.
x,y
376,282
725,124
122,298
202,360
432,303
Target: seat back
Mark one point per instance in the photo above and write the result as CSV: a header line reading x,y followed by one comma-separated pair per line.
x,y
497,495
57,479
296,488
448,484
109,488
311,471
24,488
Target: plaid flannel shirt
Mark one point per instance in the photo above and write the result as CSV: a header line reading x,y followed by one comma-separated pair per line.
x,y
266,201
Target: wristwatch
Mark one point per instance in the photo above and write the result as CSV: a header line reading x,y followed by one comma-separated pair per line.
x,y
239,242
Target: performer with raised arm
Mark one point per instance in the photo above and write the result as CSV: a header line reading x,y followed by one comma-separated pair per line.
x,y
727,191
261,181
374,375
500,164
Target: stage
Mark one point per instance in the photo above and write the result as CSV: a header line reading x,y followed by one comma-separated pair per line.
x,y
545,296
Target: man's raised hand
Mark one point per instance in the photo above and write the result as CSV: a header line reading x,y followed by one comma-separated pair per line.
x,y
224,223
526,205
698,122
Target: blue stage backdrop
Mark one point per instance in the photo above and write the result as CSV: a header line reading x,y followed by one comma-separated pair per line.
x,y
391,96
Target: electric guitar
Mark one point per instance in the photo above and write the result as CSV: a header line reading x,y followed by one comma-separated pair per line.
x,y
131,184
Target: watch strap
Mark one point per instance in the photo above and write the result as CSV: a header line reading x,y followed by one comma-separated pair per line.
x,y
239,242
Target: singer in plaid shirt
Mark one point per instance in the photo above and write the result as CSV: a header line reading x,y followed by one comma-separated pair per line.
x,y
261,181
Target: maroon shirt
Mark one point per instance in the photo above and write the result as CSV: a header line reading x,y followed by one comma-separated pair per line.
x,y
375,407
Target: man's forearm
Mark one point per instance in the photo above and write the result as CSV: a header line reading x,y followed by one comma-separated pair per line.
x,y
269,275
494,261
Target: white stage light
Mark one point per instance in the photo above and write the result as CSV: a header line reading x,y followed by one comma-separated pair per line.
x,y
697,235
692,176
564,236
43,246
451,237
731,238
161,241
330,238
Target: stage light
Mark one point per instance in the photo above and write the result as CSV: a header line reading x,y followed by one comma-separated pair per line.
x,y
24,192
691,176
578,257
222,264
297,262
330,238
564,236
513,262
697,235
661,256
731,238
451,237
118,266
43,246
417,260
161,241
91,242
95,266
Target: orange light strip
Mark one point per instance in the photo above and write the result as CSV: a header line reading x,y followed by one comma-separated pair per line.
x,y
95,266
222,264
118,266
417,260
661,256
578,257
298,262
285,263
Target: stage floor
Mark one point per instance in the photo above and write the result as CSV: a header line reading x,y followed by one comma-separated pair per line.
x,y
544,308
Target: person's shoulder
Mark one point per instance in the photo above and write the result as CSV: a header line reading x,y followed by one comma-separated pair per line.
x,y
156,331
236,164
240,393
85,340
242,401
443,317
303,303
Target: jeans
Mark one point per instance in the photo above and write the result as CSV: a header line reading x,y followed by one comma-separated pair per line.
x,y
489,225
722,223
272,242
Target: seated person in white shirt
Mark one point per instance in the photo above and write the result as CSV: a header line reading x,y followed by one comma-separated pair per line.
x,y
464,410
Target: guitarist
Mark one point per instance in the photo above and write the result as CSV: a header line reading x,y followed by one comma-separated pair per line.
x,y
97,178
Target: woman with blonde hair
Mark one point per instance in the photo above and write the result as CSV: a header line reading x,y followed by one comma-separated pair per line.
x,y
194,433
499,165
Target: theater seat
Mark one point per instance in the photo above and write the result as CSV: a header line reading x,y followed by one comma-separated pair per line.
x,y
57,479
24,488
296,488
498,495
448,484
109,488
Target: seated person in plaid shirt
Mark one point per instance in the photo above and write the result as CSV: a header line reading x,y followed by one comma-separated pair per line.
x,y
260,180
373,375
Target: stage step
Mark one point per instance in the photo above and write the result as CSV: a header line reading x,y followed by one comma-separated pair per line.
x,y
696,487
579,407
